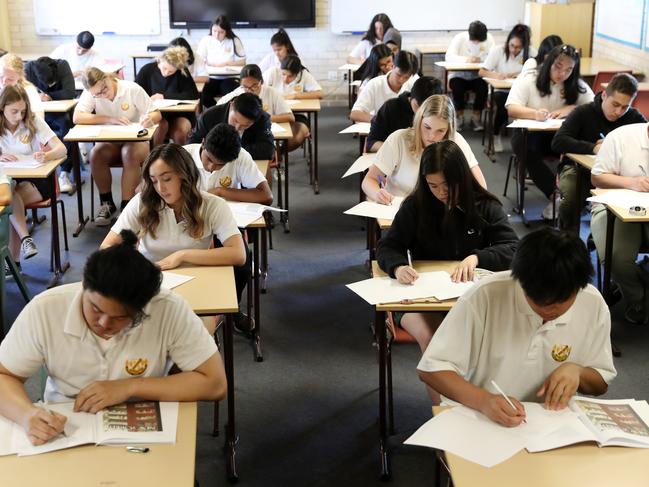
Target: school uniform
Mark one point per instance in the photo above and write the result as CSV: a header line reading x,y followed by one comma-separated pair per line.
x,y
272,100
51,331
214,51
375,94
131,101
525,93
492,333
68,52
396,160
269,61
35,102
303,82
239,173
363,49
529,65
395,114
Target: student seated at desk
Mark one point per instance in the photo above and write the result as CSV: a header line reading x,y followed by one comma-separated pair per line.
x,y
392,39
54,81
541,332
398,112
378,63
12,72
195,63
583,133
80,55
245,113
449,216
504,62
227,170
107,99
88,335
282,46
471,46
547,44
385,87
623,162
551,92
168,77
24,134
397,166
374,35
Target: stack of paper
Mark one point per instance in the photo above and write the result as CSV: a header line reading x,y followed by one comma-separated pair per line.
x,y
622,198
80,131
361,164
376,210
362,128
246,213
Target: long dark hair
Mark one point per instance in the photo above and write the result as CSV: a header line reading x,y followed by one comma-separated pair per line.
x,y
281,38
182,42
370,68
464,191
571,87
224,23
547,44
522,32
293,65
370,35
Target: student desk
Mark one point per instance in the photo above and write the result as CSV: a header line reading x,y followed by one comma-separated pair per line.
x,y
385,361
310,107
584,163
494,84
82,466
435,50
188,106
104,136
224,71
450,66
213,292
362,129
590,66
143,55
46,171
351,69
281,139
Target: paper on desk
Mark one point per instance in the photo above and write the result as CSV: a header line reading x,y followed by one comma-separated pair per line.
x,y
131,128
362,128
166,102
6,428
376,210
23,162
438,284
623,198
361,164
246,213
553,123
79,131
277,128
171,280
54,104
292,102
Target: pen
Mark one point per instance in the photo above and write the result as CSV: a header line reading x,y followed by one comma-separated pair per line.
x,y
380,182
644,173
62,433
602,136
409,257
500,391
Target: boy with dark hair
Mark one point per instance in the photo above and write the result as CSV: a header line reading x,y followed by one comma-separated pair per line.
x,y
398,112
541,332
245,113
583,133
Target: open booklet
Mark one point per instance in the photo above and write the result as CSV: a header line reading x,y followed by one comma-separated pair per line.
x,y
122,424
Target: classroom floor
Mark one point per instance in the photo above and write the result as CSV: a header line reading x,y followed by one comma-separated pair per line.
x,y
307,414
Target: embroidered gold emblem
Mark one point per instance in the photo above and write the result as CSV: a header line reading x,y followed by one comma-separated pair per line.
x,y
125,106
560,353
25,139
265,108
297,88
225,181
136,366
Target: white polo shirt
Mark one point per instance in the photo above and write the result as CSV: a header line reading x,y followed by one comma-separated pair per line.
x,y
271,99
376,92
525,93
52,331
216,52
18,143
68,52
624,152
269,61
363,49
496,60
172,236
396,160
239,173
462,48
303,82
529,65
131,101
493,334
35,102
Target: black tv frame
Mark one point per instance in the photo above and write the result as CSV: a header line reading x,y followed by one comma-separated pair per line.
x,y
240,24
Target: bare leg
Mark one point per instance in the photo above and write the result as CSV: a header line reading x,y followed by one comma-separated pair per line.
x,y
102,155
161,134
133,155
179,130
300,132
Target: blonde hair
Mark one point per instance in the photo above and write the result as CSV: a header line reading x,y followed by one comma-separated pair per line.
x,y
177,57
92,76
434,106
14,63
14,94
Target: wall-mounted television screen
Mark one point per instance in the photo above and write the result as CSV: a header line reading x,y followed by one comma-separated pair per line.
x,y
199,14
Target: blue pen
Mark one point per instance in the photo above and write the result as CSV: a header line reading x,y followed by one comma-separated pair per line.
x,y
380,182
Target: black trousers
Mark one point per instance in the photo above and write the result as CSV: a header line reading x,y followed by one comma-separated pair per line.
x,y
501,117
216,88
242,273
538,148
459,88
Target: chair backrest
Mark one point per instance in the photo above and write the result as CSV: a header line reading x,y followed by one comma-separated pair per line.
x,y
641,102
604,77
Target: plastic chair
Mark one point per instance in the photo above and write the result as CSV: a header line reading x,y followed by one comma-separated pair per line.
x,y
641,102
604,77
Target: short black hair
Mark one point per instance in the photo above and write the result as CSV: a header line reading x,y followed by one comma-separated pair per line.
x,y
122,273
223,142
407,62
45,70
425,87
551,265
85,39
251,71
248,105
477,31
623,83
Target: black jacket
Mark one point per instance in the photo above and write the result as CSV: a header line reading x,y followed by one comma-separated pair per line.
x,y
257,140
582,128
395,114
62,89
178,86
490,237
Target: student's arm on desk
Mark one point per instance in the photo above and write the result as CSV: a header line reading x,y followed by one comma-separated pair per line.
x,y
207,382
151,118
371,186
262,194
566,139
307,95
232,253
566,380
520,111
39,424
56,150
360,116
614,181
283,118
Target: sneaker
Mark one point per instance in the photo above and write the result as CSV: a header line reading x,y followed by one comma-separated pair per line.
x,y
547,211
498,143
477,125
105,215
8,273
459,125
243,323
28,248
65,186
635,314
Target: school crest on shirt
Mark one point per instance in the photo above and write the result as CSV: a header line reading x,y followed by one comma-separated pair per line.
x,y
225,181
25,139
297,88
563,93
560,353
125,106
136,366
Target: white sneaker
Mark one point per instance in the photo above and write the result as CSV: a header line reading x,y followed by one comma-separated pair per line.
x,y
477,125
547,211
104,215
459,126
498,143
65,186
28,248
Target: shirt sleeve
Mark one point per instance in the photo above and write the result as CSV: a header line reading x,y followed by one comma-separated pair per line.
x,y
22,351
142,101
491,63
86,103
607,160
199,65
466,149
220,218
270,78
248,173
388,156
359,50
280,105
128,218
587,96
365,100
453,53
599,355
309,82
202,48
519,94
43,131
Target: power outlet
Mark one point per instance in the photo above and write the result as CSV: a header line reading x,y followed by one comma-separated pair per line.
x,y
333,76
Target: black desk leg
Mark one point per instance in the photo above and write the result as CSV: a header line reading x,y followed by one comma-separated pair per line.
x,y
608,264
286,224
489,150
76,167
582,179
256,333
230,428
379,326
316,184
58,268
520,173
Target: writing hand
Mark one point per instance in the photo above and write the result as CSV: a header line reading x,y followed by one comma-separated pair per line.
x,y
145,121
560,386
541,115
406,274
384,197
39,156
45,97
639,183
42,425
497,409
101,394
598,146
465,270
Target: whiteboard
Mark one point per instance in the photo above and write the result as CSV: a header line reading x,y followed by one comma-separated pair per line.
x,y
101,17
620,20
412,15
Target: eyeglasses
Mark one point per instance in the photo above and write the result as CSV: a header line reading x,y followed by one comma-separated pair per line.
x,y
252,87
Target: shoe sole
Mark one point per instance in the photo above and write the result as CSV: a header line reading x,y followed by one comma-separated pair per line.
x,y
102,222
29,255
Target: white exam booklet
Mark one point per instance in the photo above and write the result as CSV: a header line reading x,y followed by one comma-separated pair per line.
x,y
23,162
246,213
371,209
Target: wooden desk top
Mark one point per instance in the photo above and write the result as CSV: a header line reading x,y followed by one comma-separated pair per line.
x,y
212,292
435,49
312,105
451,66
499,84
164,464
286,134
40,172
59,106
232,71
384,224
110,136
585,160
146,55
188,106
621,213
643,86
590,66
420,305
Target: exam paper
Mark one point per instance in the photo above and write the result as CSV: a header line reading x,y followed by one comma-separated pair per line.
x,y
171,280
622,198
85,131
553,123
23,162
166,102
246,213
376,210
361,164
276,128
291,103
362,128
